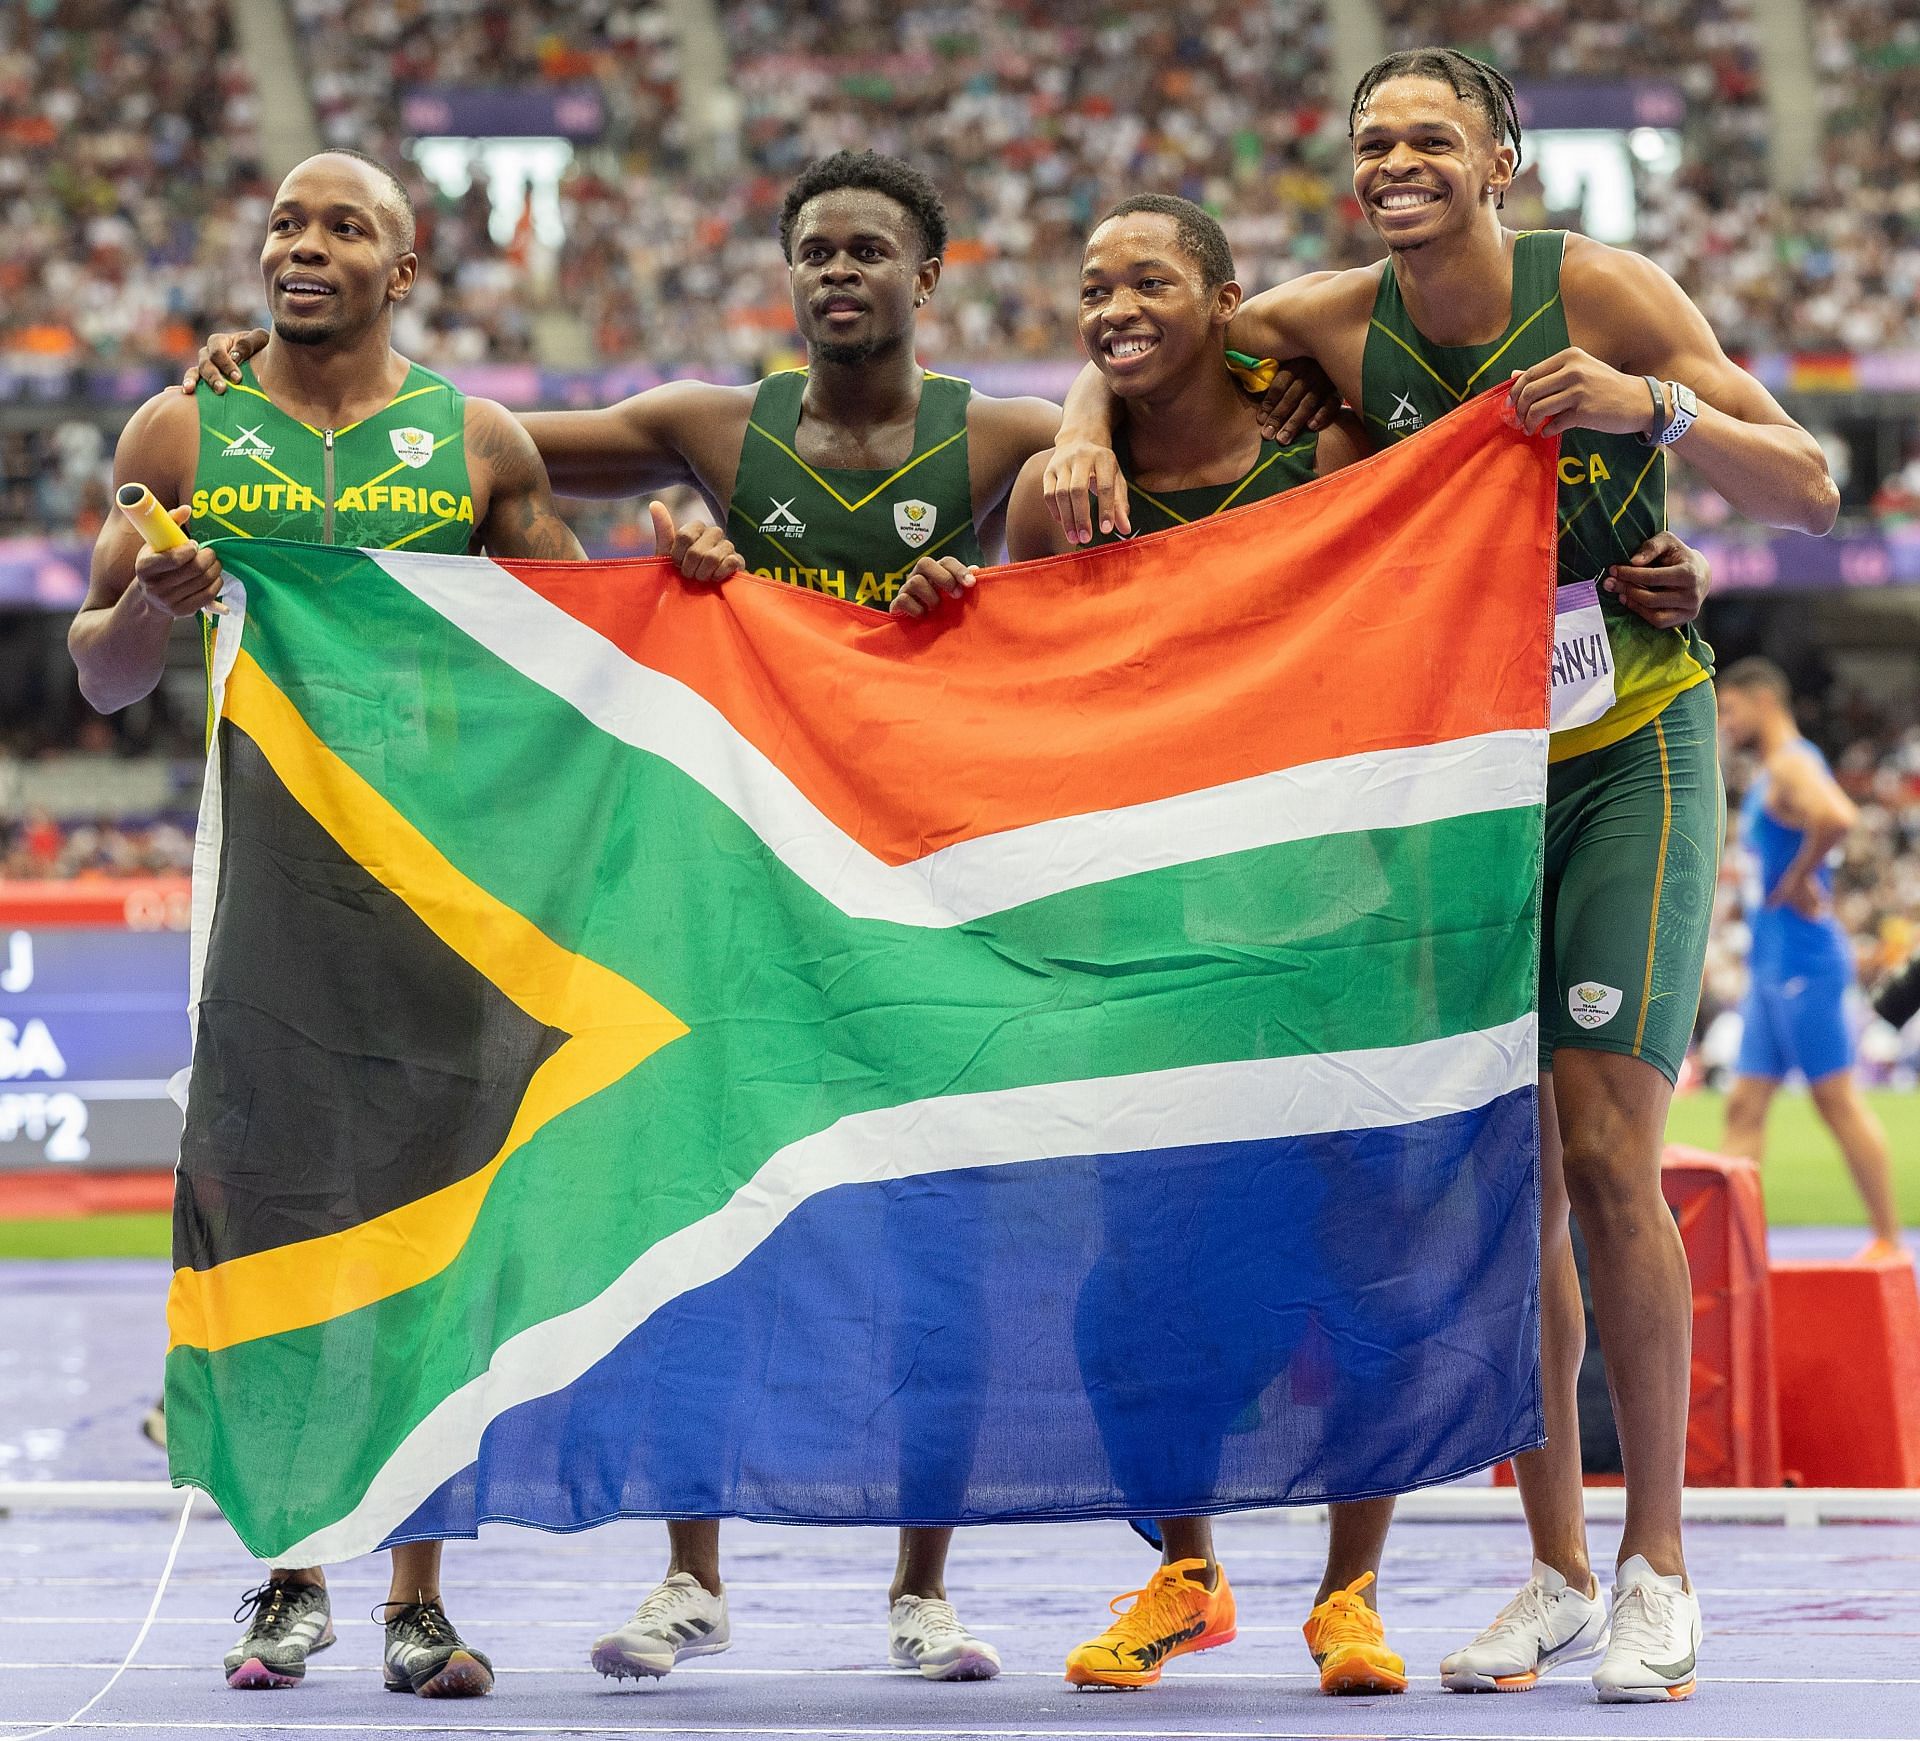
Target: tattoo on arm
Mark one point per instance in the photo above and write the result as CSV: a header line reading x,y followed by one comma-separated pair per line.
x,y
521,518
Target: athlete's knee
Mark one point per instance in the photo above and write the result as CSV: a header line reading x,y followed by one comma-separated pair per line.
x,y
1613,1182
1836,1096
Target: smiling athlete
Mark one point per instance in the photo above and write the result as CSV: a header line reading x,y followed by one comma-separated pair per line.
x,y
1606,352
335,439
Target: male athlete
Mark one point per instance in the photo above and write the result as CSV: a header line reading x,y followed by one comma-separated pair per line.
x,y
868,478
1792,822
334,439
1609,354
1157,295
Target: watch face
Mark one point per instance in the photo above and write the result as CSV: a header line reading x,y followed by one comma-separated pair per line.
x,y
1685,398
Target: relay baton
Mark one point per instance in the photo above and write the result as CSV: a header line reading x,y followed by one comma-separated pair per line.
x,y
155,525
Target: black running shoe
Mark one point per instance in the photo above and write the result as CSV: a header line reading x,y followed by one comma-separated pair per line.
x,y
426,1656
286,1623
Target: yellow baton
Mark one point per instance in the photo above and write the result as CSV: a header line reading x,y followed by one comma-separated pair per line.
x,y
155,525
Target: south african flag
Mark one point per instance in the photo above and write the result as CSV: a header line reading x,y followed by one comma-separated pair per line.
x,y
679,1051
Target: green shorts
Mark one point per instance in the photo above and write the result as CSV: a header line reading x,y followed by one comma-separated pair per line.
x,y
1633,851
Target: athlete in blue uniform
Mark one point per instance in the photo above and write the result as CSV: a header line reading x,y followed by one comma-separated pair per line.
x,y
1793,819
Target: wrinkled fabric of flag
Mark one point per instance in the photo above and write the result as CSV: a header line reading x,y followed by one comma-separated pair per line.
x,y
717,1051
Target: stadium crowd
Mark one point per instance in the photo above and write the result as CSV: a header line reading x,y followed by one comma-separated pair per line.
x,y
130,177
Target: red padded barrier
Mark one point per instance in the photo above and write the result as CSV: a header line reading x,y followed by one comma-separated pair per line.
x,y
1733,1420
1849,1372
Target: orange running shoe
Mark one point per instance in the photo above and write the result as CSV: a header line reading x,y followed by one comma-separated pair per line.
x,y
1883,1251
1173,1615
1349,1643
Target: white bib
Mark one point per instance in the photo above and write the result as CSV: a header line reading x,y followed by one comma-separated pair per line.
x,y
1582,657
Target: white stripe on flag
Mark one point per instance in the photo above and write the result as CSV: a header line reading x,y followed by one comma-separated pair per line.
x,y
1246,1101
993,873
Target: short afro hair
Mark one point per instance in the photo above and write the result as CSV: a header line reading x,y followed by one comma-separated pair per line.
x,y
911,191
1486,87
401,202
1194,227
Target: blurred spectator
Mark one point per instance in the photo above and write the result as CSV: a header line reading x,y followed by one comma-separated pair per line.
x,y
130,187
36,848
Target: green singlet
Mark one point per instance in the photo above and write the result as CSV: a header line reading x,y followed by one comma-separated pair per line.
x,y
1276,470
853,534
395,480
1613,488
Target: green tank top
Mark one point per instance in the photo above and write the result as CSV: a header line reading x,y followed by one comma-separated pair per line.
x,y
1613,488
854,534
394,481
1276,470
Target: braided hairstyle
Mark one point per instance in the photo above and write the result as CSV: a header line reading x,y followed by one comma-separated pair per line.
x,y
1486,87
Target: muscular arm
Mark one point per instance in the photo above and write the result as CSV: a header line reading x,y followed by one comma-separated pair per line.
x,y
1803,795
134,596
1031,530
1002,435
1626,310
521,519
676,434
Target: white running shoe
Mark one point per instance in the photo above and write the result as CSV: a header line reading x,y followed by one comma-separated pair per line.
x,y
1547,1624
1656,1636
926,1634
682,1618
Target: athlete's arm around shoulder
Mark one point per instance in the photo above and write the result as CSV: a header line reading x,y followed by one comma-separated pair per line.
x,y
520,518
1032,530
684,432
1322,315
1628,319
135,595
1002,435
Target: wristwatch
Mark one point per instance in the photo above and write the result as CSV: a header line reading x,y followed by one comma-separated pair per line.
x,y
1680,407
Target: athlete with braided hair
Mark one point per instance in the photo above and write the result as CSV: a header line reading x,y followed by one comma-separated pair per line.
x,y
1604,351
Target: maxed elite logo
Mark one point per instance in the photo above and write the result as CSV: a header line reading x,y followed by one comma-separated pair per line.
x,y
1406,416
1593,1005
780,523
247,445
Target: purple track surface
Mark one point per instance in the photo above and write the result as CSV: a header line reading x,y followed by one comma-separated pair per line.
x,y
1810,1633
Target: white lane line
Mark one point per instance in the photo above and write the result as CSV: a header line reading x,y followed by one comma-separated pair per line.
x,y
878,1672
972,1592
918,1732
481,1624
139,1638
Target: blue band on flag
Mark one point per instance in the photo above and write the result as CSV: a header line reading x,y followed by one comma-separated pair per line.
x,y
909,1351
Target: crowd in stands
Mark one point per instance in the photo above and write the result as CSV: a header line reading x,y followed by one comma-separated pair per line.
x,y
131,189
38,848
134,197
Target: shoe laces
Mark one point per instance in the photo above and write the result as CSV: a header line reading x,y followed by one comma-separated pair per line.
x,y
1527,1611
937,1618
1155,1609
666,1600
1345,1615
428,1620
1642,1618
265,1606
